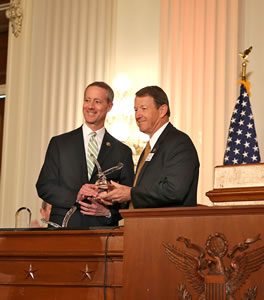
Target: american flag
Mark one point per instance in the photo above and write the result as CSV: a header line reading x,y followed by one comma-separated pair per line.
x,y
242,145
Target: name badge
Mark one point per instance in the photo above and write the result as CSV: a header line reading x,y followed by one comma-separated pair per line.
x,y
149,157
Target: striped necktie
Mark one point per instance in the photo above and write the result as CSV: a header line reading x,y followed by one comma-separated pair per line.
x,y
142,161
92,153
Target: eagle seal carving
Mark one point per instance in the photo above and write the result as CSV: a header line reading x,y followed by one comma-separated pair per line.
x,y
215,272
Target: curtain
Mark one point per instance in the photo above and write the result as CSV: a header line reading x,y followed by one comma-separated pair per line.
x,y
198,53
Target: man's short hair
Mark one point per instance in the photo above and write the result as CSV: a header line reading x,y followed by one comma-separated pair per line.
x,y
157,93
103,85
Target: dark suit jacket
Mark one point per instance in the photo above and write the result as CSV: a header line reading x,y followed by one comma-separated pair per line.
x,y
65,170
170,178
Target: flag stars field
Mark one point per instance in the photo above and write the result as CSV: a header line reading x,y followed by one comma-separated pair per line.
x,y
242,145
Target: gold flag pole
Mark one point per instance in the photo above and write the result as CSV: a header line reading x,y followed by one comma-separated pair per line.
x,y
244,56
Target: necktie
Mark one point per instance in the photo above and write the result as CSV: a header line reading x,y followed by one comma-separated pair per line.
x,y
92,153
142,161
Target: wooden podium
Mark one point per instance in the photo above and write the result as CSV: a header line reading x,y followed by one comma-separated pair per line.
x,y
148,272
131,262
61,264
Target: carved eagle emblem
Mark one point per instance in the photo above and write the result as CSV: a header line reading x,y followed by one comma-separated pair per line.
x,y
231,268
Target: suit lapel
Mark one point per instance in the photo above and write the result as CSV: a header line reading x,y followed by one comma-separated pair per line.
x,y
155,149
162,138
81,152
106,147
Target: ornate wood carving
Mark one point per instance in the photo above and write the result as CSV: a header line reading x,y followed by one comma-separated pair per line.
x,y
214,272
15,15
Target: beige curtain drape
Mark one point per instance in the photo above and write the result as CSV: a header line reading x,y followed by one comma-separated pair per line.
x,y
199,47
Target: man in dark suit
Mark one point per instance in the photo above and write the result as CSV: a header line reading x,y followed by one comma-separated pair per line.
x,y
64,180
167,175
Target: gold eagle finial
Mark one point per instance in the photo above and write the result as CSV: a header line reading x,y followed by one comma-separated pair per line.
x,y
244,56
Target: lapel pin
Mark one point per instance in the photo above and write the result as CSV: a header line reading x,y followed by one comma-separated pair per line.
x,y
108,144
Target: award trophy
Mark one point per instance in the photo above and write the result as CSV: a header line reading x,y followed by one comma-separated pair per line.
x,y
102,187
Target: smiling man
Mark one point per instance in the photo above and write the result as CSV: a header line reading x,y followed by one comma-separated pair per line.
x,y
168,168
68,173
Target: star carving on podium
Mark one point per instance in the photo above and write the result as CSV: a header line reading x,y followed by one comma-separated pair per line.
x,y
87,273
30,272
